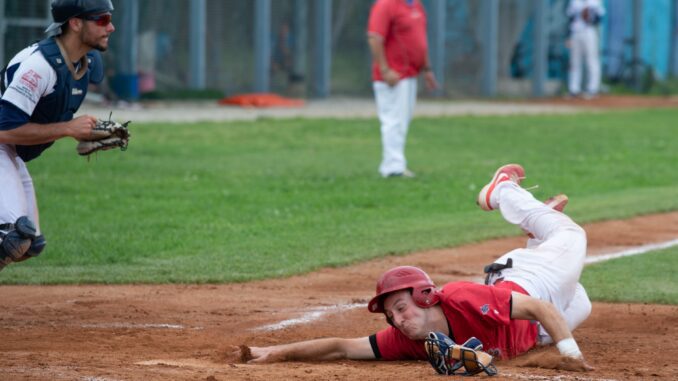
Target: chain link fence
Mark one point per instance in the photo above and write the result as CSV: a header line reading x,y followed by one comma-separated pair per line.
x,y
163,57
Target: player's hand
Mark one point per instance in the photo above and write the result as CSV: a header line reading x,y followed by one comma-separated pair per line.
x,y
390,76
585,366
574,364
262,355
81,127
430,79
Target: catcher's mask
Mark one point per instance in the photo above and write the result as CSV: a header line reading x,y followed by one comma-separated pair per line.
x,y
423,290
64,10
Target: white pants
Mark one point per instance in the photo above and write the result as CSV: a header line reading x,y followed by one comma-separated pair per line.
x,y
550,266
17,195
395,106
584,49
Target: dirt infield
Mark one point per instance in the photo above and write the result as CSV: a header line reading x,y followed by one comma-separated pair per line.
x,y
185,332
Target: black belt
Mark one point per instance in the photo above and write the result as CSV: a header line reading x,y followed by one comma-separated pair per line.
x,y
495,268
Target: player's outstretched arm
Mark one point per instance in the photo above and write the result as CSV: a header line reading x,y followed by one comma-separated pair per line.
x,y
528,308
79,128
315,350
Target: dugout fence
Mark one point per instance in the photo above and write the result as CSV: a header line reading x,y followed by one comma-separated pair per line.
x,y
311,48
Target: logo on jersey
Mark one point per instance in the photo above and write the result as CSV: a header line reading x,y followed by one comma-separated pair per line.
x,y
30,79
485,308
76,91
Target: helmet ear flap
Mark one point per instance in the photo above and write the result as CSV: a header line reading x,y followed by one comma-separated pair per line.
x,y
425,297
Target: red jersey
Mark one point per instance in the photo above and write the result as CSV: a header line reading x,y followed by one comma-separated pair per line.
x,y
472,310
403,28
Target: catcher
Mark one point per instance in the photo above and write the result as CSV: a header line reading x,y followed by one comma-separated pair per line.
x,y
531,297
42,87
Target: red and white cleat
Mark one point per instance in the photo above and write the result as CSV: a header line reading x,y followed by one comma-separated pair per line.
x,y
508,172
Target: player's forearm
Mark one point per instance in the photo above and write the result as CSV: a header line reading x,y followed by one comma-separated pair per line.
x,y
315,350
33,133
553,322
427,64
376,44
528,308
320,349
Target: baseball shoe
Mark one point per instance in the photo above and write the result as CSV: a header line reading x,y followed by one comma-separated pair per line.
x,y
556,202
406,173
508,172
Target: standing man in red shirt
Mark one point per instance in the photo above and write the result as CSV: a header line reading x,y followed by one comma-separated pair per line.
x,y
532,295
396,34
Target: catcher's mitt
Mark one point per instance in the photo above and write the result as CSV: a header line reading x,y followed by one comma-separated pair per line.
x,y
590,16
447,357
107,134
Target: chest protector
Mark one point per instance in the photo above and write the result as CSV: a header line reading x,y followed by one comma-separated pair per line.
x,y
68,94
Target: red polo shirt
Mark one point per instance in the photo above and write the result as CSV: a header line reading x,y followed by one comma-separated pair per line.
x,y
471,310
403,28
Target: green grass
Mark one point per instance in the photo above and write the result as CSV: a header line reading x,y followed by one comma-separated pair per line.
x,y
223,202
648,278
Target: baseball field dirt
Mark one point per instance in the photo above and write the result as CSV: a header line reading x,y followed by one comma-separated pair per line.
x,y
190,332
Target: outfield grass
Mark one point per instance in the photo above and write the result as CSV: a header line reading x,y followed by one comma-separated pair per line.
x,y
648,278
222,202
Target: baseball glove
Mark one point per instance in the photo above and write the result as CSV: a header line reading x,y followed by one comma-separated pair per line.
x,y
590,16
107,134
447,357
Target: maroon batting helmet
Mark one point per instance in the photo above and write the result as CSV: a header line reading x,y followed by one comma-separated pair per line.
x,y
399,278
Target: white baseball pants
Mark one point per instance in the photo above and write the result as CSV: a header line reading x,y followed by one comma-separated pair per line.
x,y
584,49
395,106
550,266
17,194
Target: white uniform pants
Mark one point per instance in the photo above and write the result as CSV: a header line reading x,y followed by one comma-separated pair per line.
x,y
584,50
17,195
550,266
395,106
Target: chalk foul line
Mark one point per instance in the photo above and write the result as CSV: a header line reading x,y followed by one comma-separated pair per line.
x,y
632,251
309,316
133,325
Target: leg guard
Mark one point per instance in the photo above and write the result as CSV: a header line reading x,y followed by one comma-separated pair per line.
x,y
17,241
14,245
4,260
25,227
37,246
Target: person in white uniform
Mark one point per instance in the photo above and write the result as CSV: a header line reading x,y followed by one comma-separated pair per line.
x,y
396,34
42,87
584,17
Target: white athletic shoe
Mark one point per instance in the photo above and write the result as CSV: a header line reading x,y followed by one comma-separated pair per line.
x,y
508,172
406,174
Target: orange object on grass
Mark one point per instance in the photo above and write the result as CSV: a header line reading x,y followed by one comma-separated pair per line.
x,y
261,100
